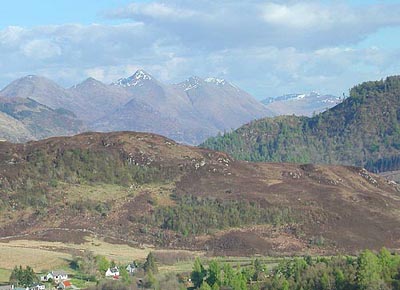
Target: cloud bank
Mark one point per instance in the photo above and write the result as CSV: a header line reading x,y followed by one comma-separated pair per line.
x,y
267,47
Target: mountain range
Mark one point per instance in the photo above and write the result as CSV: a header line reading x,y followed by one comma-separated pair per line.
x,y
188,112
306,104
363,130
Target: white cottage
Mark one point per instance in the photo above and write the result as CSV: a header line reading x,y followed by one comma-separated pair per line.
x,y
37,286
132,268
55,276
112,272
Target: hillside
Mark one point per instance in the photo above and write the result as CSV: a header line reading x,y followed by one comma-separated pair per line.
x,y
25,119
364,130
146,189
13,130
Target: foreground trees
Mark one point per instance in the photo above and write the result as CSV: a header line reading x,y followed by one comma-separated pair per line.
x,y
23,277
368,271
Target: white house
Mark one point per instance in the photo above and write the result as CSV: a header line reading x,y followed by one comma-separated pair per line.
x,y
46,277
64,285
112,272
37,286
132,268
57,276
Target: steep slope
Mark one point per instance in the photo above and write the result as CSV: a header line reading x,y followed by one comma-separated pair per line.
x,y
96,99
301,104
39,120
224,104
363,130
168,100
13,130
145,188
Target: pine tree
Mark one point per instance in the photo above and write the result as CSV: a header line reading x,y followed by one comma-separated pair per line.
x,y
198,274
150,264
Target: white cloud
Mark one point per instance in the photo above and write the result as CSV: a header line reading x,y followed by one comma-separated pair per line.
x,y
304,24
41,49
267,47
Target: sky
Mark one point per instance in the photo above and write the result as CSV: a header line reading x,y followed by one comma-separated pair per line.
x,y
268,48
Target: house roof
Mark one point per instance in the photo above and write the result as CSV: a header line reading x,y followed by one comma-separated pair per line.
x,y
59,273
6,287
132,265
67,283
114,270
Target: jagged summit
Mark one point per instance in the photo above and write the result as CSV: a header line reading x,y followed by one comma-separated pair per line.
x,y
195,82
134,80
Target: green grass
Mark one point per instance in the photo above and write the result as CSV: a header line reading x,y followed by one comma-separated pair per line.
x,y
4,275
187,266
83,284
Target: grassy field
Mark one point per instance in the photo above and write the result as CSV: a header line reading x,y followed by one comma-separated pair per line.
x,y
4,275
43,255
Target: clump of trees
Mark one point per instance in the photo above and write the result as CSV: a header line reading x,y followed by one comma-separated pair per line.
x,y
195,215
368,271
23,276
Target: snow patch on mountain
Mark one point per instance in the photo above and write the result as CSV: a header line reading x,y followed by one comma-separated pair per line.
x,y
191,83
134,80
215,81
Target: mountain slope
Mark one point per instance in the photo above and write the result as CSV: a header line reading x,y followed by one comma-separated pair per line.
x,y
188,112
41,90
224,104
41,121
97,99
136,115
145,188
301,104
13,130
363,130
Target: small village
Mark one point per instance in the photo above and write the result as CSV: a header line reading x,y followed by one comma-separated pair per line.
x,y
60,279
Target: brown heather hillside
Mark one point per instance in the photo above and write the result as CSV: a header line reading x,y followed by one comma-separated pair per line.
x,y
142,188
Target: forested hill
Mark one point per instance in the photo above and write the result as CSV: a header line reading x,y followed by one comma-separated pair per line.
x,y
364,130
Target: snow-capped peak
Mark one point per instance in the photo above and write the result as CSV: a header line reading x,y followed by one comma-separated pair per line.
x,y
301,96
141,75
135,79
215,81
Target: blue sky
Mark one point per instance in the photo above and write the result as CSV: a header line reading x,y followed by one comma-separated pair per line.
x,y
45,12
268,48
